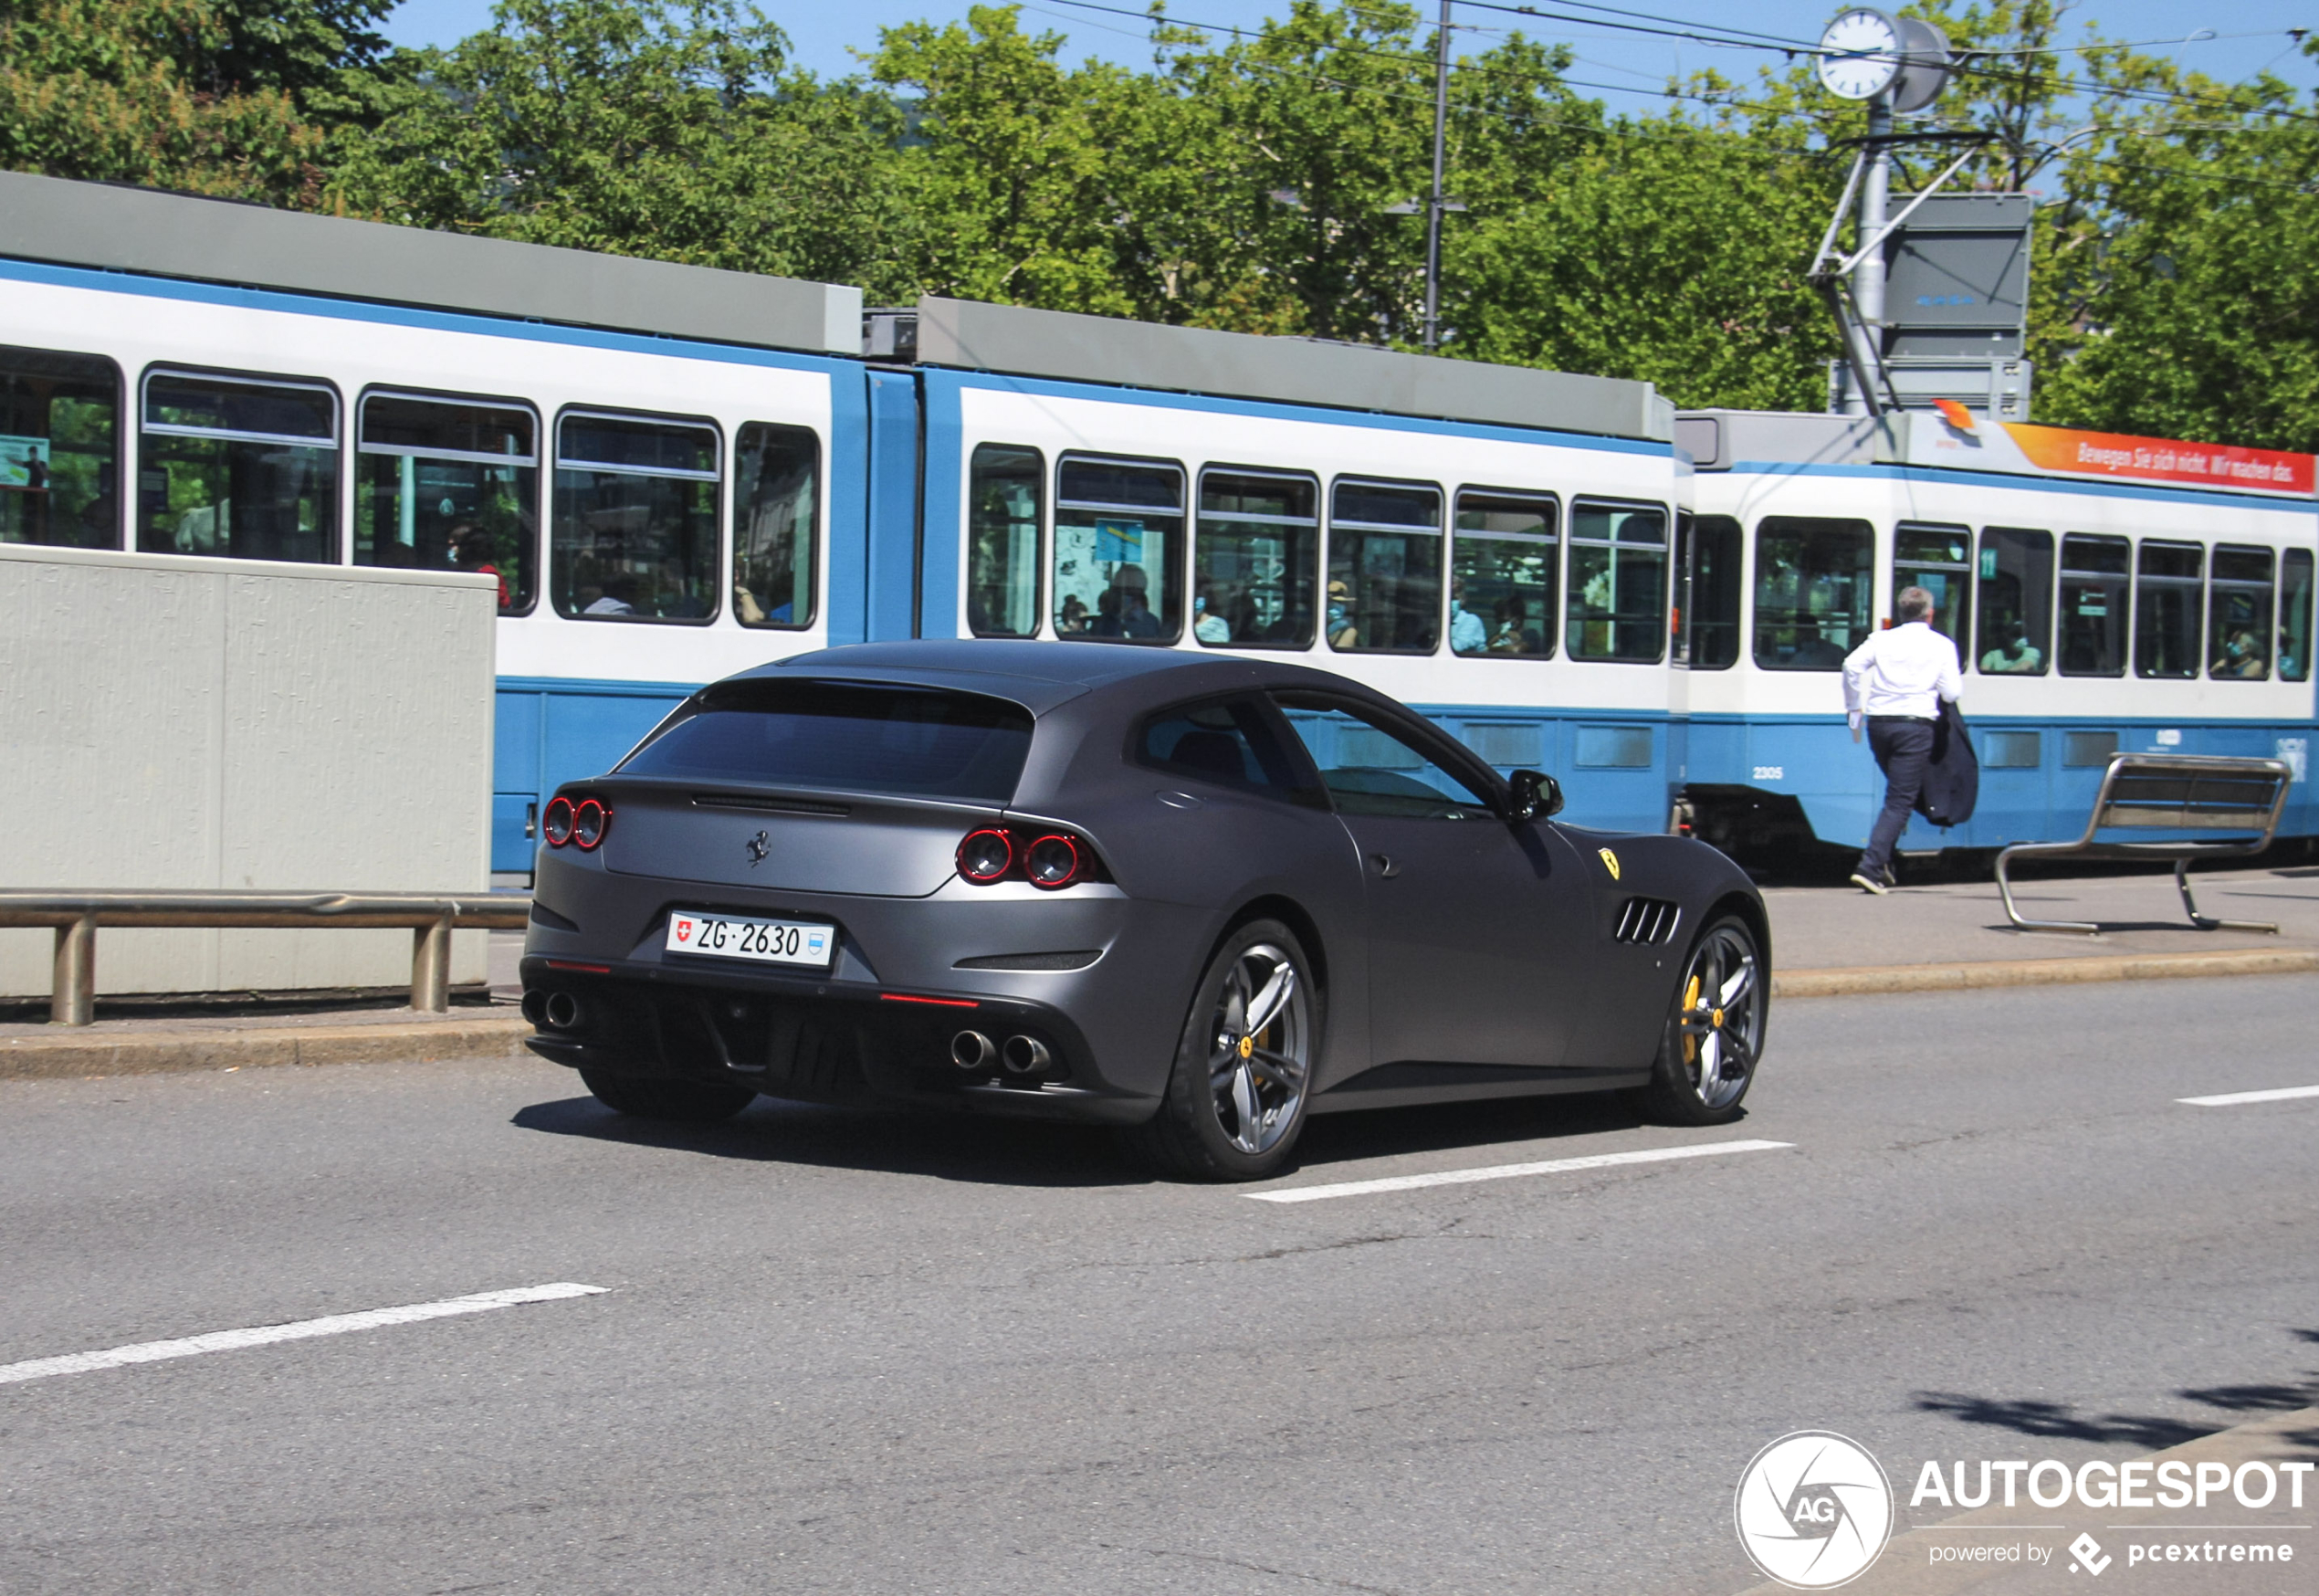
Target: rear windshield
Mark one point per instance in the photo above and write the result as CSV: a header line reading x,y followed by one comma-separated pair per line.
x,y
861,737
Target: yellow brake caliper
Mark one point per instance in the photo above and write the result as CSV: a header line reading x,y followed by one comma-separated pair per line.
x,y
1690,1008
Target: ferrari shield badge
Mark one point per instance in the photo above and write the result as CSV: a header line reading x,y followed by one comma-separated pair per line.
x,y
1611,863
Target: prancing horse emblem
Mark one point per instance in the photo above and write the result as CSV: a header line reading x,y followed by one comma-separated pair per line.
x,y
759,846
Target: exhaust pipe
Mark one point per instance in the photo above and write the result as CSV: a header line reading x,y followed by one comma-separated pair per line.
x,y
1026,1056
562,1010
972,1050
535,1007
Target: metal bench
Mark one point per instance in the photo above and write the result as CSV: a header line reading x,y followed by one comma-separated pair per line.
x,y
2154,791
431,918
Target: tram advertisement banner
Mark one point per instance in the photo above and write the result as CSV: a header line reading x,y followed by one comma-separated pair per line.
x,y
1958,440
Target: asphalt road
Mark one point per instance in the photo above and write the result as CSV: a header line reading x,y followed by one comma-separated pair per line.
x,y
843,1353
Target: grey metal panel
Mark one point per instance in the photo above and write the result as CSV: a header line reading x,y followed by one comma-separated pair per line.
x,y
1098,348
143,230
1796,437
1959,264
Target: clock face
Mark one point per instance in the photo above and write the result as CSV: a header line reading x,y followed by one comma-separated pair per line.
x,y
1862,54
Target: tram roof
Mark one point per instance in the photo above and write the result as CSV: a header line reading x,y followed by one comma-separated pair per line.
x,y
1059,344
151,232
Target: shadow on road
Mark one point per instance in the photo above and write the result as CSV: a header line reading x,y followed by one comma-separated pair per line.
x,y
2060,1420
996,1152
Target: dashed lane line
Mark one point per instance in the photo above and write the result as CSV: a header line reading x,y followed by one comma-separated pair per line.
x,y
337,1324
1650,1155
2232,1099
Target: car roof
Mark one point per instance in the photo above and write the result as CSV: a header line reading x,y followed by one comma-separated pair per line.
x,y
1038,676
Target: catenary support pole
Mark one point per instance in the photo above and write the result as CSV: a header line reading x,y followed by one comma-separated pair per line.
x,y
1433,203
1868,278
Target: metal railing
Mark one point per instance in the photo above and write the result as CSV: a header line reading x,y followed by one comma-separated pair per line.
x,y
2154,791
432,918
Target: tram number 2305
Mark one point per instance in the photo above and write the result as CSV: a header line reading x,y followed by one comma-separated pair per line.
x,y
1771,772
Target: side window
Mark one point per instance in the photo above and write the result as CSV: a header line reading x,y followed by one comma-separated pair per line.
x,y
59,449
1384,568
1004,487
635,518
776,506
2166,610
2093,604
2238,605
1940,560
1712,622
2016,627
1370,766
239,467
1118,532
448,485
1502,571
1230,740
1815,591
2294,617
1618,582
1252,560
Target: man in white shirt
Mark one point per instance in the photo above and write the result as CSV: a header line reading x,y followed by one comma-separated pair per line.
x,y
1896,681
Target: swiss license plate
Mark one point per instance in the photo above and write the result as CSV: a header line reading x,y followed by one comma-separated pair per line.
x,y
726,936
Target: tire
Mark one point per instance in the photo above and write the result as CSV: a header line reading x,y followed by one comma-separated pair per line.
x,y
1236,1098
652,1097
1714,1030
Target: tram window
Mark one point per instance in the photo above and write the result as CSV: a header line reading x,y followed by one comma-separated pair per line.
x,y
1502,576
1815,585
1939,560
635,518
2239,615
2093,606
1254,559
2165,609
2016,618
1618,582
1384,568
1711,619
59,449
448,485
240,468
1118,525
2295,615
776,504
1004,486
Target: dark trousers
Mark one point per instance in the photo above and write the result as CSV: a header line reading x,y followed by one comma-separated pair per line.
x,y
1903,748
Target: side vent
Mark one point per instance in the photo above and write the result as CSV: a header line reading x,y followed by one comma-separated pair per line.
x,y
1648,921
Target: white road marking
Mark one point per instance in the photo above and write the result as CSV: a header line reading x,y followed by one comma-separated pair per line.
x,y
1650,1155
2231,1100
337,1324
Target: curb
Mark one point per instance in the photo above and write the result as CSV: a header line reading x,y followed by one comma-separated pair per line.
x,y
169,1052
1905,1567
1896,978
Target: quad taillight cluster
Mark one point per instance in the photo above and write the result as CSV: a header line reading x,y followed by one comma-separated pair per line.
x,y
1043,858
582,825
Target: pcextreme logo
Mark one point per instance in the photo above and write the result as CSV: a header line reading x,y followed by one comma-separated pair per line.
x,y
1813,1510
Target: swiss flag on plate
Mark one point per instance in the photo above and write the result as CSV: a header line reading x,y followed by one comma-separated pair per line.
x,y
684,930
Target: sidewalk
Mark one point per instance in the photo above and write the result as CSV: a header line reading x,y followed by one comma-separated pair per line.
x,y
1826,941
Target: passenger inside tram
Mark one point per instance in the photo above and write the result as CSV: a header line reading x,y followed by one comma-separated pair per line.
x,y
2242,657
2014,656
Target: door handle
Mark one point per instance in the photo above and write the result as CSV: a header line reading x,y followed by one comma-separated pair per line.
x,y
1386,866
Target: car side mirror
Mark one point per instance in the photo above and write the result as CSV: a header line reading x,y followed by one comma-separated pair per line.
x,y
1536,793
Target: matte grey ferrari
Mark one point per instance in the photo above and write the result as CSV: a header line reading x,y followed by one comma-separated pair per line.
x,y
1199,897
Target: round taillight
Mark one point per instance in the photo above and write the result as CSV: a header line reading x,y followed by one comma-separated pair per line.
x,y
587,823
985,855
1053,861
555,822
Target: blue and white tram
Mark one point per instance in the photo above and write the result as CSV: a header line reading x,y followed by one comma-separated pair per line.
x,y
2105,592
677,473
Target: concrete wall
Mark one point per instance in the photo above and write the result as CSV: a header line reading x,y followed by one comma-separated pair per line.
x,y
173,723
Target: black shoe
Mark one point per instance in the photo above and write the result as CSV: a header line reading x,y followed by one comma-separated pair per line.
x,y
1860,878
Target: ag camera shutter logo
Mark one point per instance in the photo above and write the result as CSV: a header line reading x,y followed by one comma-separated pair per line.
x,y
1813,1510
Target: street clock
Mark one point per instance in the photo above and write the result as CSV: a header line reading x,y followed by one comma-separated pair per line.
x,y
1861,54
